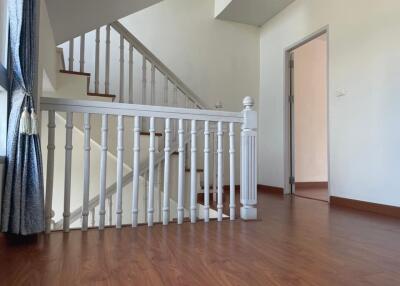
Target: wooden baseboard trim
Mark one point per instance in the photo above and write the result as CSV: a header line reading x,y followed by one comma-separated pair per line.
x,y
366,206
262,188
270,189
312,185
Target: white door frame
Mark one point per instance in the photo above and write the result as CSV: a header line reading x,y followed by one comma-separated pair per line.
x,y
288,148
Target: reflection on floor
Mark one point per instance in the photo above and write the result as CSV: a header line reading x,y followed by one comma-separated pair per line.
x,y
310,191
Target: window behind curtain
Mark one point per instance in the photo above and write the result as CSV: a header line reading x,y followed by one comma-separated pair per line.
x,y
3,75
3,32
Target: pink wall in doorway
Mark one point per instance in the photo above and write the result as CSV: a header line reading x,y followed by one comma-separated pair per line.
x,y
310,87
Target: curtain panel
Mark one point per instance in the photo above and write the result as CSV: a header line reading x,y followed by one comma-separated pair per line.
x,y
22,201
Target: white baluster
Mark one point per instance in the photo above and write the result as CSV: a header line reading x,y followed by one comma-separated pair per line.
x,y
144,80
215,155
167,154
248,188
136,167
206,171
218,106
232,170
193,174
181,171
103,169
110,205
146,187
107,67
86,170
174,104
71,55
165,90
93,214
153,85
50,169
82,54
68,162
220,171
120,169
158,193
130,73
150,201
121,69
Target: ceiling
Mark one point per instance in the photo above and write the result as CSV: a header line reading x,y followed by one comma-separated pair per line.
x,y
70,18
252,12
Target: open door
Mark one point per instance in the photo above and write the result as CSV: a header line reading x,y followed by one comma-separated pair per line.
x,y
308,122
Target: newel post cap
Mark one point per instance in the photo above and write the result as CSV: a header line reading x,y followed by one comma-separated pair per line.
x,y
248,103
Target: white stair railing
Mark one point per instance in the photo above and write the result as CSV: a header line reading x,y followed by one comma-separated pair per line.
x,y
161,159
93,53
248,191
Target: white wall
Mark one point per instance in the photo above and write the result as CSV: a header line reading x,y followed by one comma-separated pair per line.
x,y
48,58
216,59
364,62
310,111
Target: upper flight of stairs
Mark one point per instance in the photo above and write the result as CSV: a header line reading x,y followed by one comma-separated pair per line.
x,y
88,75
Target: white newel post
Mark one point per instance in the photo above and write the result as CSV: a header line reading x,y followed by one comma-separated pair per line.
x,y
248,168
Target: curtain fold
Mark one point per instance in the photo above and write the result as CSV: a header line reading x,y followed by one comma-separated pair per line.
x,y
22,202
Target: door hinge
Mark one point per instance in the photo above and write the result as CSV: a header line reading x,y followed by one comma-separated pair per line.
x,y
291,180
291,98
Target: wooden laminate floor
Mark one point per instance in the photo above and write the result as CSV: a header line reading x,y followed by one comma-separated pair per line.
x,y
315,193
296,242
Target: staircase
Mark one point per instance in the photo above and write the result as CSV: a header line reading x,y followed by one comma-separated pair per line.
x,y
147,106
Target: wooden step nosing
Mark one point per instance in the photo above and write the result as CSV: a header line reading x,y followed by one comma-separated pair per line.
x,y
75,73
146,133
101,94
197,170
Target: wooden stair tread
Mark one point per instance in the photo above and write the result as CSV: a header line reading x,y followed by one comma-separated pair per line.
x,y
187,219
197,170
146,133
101,94
209,187
75,72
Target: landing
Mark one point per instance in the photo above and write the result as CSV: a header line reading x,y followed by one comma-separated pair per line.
x,y
298,242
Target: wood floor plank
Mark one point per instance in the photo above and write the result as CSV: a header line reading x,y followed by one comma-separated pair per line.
x,y
296,242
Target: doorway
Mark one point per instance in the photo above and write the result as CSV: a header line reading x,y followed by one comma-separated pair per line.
x,y
308,119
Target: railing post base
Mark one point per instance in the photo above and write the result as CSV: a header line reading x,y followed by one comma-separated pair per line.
x,y
248,213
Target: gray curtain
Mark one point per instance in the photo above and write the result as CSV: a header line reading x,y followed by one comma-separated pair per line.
x,y
22,203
